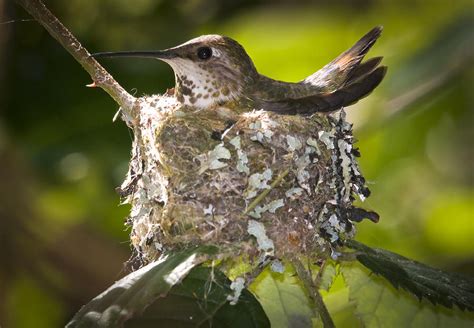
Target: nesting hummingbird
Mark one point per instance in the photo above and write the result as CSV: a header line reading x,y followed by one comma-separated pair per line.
x,y
214,70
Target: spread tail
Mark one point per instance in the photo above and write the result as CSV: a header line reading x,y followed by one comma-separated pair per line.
x,y
337,73
345,79
345,96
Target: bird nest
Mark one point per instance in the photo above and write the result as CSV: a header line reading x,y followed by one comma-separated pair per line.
x,y
257,184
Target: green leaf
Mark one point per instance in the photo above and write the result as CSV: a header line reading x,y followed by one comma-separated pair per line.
x,y
435,285
378,304
129,297
287,304
341,308
328,276
283,298
201,301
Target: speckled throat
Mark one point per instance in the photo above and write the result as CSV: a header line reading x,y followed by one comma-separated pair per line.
x,y
202,89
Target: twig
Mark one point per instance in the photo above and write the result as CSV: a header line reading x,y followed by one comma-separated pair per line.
x,y
308,282
319,276
99,75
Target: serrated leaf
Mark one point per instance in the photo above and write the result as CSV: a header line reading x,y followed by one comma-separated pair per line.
x,y
379,304
437,286
342,310
287,304
283,298
130,296
328,276
201,301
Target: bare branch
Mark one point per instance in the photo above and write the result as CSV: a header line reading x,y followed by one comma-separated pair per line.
x,y
99,75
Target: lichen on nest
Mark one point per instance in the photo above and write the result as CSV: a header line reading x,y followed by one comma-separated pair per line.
x,y
253,183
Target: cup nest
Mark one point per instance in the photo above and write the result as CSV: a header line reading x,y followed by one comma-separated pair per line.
x,y
257,184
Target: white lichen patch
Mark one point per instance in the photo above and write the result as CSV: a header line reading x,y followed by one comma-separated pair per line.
x,y
313,151
346,165
257,212
209,210
262,125
261,136
293,143
236,286
277,266
355,167
257,229
258,181
235,142
270,207
313,143
335,222
302,175
242,159
274,205
213,159
326,138
332,228
294,193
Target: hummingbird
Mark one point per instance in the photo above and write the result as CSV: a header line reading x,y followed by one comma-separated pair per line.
x,y
215,70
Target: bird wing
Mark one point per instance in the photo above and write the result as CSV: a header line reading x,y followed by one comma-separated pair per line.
x,y
345,80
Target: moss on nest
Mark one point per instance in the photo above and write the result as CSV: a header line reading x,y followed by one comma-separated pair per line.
x,y
253,183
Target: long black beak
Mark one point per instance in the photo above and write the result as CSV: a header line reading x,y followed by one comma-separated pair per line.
x,y
158,54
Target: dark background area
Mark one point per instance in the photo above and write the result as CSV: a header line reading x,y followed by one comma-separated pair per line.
x,y
62,237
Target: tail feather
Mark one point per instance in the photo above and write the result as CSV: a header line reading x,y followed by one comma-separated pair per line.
x,y
363,69
365,43
337,72
353,92
345,96
345,79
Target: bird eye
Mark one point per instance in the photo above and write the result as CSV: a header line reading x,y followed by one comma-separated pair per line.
x,y
204,53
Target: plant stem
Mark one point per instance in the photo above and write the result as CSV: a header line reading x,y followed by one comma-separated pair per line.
x,y
308,282
99,75
319,276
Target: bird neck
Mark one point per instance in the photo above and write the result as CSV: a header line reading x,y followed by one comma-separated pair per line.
x,y
203,92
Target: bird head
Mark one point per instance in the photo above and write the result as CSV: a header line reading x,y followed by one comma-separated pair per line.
x,y
209,70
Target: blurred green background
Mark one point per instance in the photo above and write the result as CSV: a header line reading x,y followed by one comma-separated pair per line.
x,y
62,237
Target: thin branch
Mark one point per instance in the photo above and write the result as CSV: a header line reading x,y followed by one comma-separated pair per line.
x,y
319,276
99,75
316,297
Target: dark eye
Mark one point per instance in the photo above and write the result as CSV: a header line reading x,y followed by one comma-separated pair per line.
x,y
204,53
